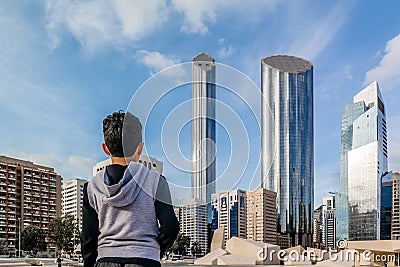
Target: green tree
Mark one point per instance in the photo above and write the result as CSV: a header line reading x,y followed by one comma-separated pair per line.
x,y
3,247
180,245
63,231
195,249
33,239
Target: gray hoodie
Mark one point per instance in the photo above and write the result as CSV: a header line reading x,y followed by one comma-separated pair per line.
x,y
127,218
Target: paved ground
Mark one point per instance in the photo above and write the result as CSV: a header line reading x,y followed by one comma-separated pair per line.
x,y
10,262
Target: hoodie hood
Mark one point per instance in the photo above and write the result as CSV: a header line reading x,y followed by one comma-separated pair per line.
x,y
136,178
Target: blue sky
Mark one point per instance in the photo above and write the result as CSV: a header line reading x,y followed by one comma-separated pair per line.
x,y
65,65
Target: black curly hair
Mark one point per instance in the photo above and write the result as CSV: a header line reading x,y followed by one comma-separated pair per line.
x,y
121,124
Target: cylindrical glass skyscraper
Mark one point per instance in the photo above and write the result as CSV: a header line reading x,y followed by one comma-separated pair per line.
x,y
288,143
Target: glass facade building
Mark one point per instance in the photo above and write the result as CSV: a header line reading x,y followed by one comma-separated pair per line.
x,y
386,206
363,163
203,129
287,164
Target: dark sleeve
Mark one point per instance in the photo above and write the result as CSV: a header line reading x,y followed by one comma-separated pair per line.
x,y
90,231
169,225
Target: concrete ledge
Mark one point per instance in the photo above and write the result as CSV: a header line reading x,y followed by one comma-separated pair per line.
x,y
210,258
218,240
253,249
235,260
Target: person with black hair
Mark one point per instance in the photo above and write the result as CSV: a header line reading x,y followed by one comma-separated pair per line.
x,y
128,218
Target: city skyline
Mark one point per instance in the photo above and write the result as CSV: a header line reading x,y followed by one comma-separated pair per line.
x,y
55,98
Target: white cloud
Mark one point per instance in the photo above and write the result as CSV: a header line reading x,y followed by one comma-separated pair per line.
x,y
139,18
197,14
155,60
347,71
73,166
225,50
387,73
97,23
315,34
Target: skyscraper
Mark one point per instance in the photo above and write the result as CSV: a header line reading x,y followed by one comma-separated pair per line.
x,y
363,163
287,164
203,128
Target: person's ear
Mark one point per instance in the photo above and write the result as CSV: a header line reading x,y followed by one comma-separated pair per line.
x,y
139,149
105,149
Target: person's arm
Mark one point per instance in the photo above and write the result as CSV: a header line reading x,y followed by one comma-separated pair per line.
x,y
90,231
169,225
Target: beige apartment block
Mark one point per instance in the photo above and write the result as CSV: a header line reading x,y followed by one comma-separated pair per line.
x,y
396,207
30,194
149,162
261,215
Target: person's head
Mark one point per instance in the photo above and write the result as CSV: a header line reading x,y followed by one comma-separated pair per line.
x,y
122,136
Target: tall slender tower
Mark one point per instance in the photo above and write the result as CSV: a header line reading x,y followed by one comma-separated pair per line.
x,y
288,143
203,128
363,163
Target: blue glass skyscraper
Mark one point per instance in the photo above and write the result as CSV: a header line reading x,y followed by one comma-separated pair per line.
x,y
362,165
288,143
203,129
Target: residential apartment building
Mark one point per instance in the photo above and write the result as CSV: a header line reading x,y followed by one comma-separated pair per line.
x,y
30,194
149,162
194,223
229,211
72,199
329,222
261,215
396,206
324,224
318,220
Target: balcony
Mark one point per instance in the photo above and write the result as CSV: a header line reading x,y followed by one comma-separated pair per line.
x,y
11,171
12,177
